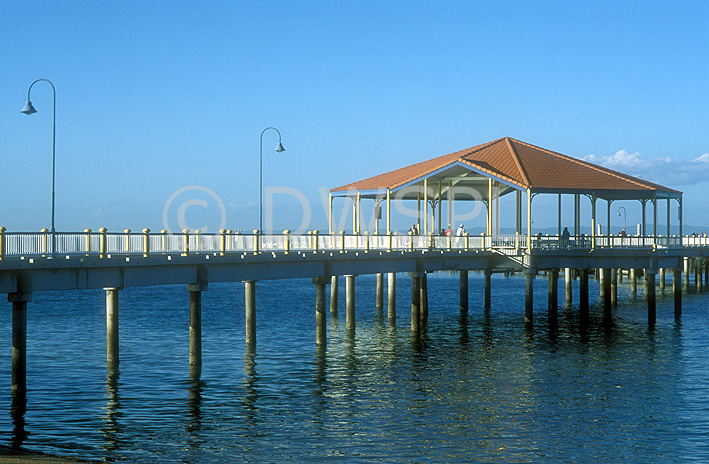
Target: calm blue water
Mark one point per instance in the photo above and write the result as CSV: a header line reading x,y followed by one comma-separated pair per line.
x,y
479,389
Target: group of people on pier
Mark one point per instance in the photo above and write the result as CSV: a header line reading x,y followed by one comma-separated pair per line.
x,y
414,230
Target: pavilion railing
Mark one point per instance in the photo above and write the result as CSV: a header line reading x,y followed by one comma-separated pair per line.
x,y
103,243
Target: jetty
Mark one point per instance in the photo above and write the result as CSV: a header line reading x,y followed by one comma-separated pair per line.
x,y
47,260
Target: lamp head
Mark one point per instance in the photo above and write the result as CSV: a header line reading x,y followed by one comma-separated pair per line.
x,y
280,148
28,108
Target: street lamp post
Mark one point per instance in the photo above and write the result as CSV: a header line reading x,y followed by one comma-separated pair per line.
x,y
279,149
29,109
625,218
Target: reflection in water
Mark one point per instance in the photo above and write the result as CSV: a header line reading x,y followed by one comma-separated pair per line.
x,y
250,384
477,388
112,428
17,412
194,414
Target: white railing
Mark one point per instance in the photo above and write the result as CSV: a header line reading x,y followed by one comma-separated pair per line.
x,y
104,243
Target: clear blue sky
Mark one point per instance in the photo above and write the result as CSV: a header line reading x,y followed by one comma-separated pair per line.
x,y
156,96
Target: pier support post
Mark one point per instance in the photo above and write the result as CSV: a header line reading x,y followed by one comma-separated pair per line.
x,y
424,298
528,296
602,283
415,303
486,290
350,304
195,291
391,297
677,291
568,287
18,382
553,293
333,296
614,287
699,265
606,284
583,296
250,310
463,292
662,278
633,281
650,289
320,317
112,356
380,292
686,272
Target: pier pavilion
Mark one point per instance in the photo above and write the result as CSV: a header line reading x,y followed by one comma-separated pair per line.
x,y
487,172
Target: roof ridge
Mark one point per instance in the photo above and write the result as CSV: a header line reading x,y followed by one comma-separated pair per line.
x,y
595,167
517,161
456,155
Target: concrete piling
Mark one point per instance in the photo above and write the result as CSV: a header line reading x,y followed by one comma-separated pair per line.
x,y
350,303
320,315
553,293
333,296
606,284
528,296
18,380
651,307
424,298
677,291
112,338
391,298
568,278
583,296
487,292
415,303
250,307
380,292
463,292
195,291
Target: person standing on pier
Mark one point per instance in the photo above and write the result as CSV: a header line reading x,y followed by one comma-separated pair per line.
x,y
565,234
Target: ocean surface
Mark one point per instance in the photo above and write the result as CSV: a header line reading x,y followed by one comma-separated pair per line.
x,y
480,388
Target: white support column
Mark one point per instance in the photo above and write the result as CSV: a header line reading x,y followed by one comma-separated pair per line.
x,y
558,210
329,217
450,207
679,214
425,207
668,217
388,211
418,211
496,194
577,214
593,220
608,220
359,213
654,217
518,212
439,206
529,218
489,207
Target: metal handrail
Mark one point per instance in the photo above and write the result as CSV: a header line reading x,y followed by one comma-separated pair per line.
x,y
103,243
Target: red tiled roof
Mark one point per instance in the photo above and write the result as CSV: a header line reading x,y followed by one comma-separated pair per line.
x,y
518,163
